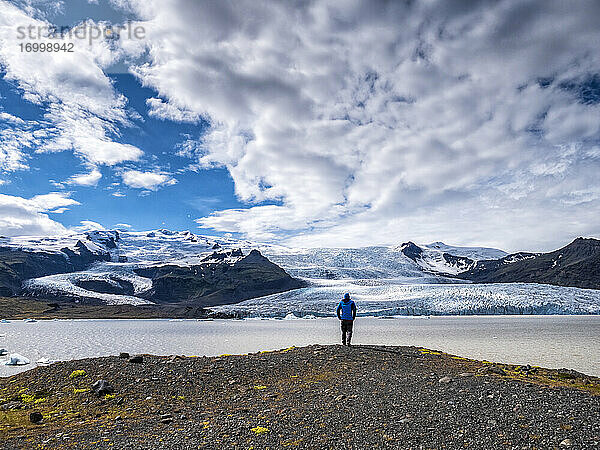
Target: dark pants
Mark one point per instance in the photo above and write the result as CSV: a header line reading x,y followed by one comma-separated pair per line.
x,y
346,331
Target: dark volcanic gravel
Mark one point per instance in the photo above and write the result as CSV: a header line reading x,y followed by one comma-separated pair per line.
x,y
312,397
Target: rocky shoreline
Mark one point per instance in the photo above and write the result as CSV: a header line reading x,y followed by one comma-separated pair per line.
x,y
15,308
311,397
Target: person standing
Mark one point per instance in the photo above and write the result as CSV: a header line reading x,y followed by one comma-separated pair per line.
x,y
346,312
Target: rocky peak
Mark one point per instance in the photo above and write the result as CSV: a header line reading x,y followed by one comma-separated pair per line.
x,y
411,250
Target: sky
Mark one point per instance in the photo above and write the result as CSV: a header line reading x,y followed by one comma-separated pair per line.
x,y
306,123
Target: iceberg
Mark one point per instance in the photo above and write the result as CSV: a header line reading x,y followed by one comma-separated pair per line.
x,y
14,359
45,361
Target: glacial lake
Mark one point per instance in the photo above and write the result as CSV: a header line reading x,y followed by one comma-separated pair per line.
x,y
549,341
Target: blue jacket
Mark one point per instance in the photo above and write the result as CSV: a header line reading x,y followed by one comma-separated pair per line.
x,y
346,310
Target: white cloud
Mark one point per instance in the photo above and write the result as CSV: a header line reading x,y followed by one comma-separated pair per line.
x,y
12,142
83,111
86,179
21,216
167,111
88,225
5,117
357,121
367,121
146,180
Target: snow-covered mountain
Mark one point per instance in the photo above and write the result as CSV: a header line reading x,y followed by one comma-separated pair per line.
x,y
446,259
402,279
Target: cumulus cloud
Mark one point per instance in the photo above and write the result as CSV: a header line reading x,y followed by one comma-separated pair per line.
x,y
360,117
83,111
146,180
167,111
347,122
21,216
86,179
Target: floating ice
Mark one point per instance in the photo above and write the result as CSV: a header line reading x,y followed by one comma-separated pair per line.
x,y
45,361
14,359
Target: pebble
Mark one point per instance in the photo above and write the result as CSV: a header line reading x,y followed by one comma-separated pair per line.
x,y
166,418
36,417
11,405
445,380
493,369
566,443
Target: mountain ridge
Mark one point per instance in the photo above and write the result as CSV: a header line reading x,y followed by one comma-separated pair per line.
x,y
577,265
179,270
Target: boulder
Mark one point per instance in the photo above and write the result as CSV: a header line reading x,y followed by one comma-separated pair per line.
x,y
102,387
36,417
136,359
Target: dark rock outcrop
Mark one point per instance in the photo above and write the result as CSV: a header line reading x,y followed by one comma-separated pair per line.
x,y
411,250
577,265
112,286
217,282
107,239
460,262
17,265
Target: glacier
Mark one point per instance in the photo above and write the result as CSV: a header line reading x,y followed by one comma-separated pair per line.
x,y
383,280
395,298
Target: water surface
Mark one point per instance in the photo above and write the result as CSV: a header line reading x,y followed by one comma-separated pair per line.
x,y
549,341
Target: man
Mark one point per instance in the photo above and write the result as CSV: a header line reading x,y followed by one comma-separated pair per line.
x,y
346,312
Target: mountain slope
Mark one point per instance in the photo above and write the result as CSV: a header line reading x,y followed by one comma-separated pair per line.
x,y
217,282
446,259
178,269
17,265
577,265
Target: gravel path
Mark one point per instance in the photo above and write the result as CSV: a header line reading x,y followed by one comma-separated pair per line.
x,y
312,397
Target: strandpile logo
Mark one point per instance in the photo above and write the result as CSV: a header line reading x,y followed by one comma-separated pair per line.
x,y
87,31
